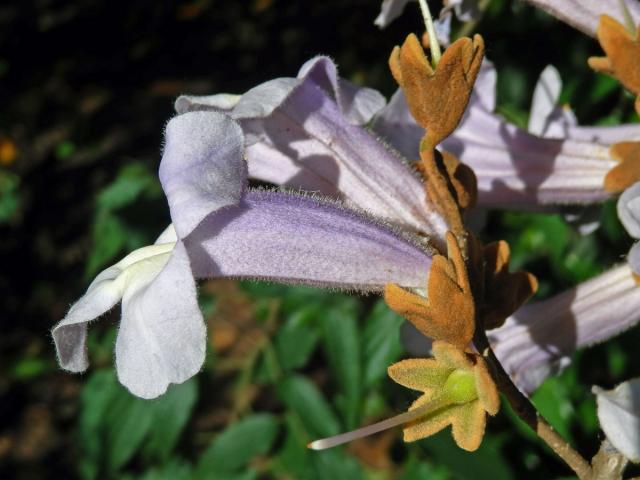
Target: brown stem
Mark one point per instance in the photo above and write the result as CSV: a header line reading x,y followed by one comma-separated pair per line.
x,y
528,413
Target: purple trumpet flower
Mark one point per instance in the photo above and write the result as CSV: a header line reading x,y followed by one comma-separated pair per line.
x,y
556,163
222,229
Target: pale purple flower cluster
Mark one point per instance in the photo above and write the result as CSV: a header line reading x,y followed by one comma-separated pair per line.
x,y
354,215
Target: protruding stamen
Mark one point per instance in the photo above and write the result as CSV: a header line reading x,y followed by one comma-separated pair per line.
x,y
435,404
434,46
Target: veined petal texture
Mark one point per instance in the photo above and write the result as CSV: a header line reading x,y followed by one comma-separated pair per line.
x,y
540,334
307,143
295,239
517,169
585,14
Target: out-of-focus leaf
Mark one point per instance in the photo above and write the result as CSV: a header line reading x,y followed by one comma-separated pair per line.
x,y
294,458
29,368
611,224
9,196
486,462
97,396
380,343
236,446
342,345
335,464
65,149
127,421
303,397
132,180
173,470
114,424
416,469
110,237
297,338
552,400
172,411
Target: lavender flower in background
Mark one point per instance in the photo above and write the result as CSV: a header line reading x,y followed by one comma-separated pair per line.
x,y
619,416
585,14
514,168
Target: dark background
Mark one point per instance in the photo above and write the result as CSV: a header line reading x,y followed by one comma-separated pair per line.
x,y
85,91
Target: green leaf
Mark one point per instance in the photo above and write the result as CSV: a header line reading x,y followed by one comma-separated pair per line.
x,y
171,411
237,445
342,345
127,421
173,470
335,464
552,400
132,180
304,398
380,343
297,338
110,236
420,470
486,462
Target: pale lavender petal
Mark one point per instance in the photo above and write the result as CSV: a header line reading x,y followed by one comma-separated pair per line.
x,y
629,209
516,169
104,293
619,416
540,334
634,258
295,239
545,98
162,336
606,135
389,11
332,155
358,104
585,14
466,10
395,124
202,168
70,334
221,101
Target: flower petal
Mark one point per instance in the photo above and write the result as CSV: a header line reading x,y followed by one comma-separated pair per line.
x,y
358,104
545,98
221,101
389,11
202,168
629,210
162,336
619,415
543,333
307,143
295,239
104,293
515,168
585,14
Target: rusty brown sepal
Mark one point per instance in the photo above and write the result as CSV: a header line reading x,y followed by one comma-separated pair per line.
x,y
448,314
437,99
451,187
504,292
623,53
627,172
